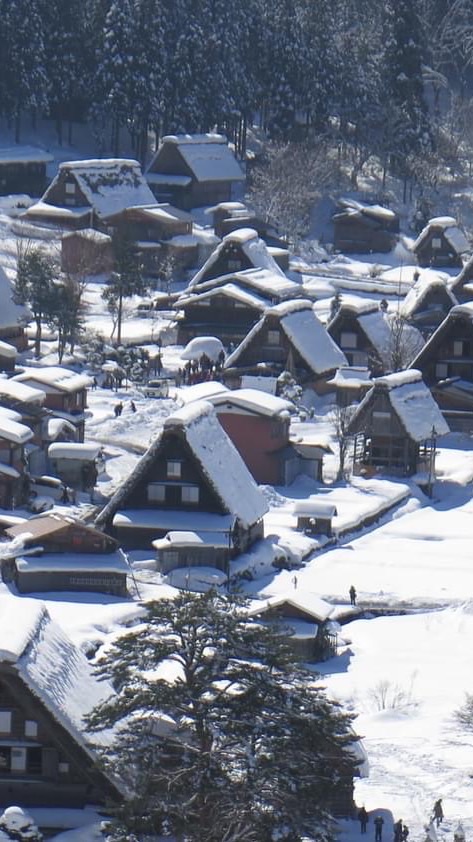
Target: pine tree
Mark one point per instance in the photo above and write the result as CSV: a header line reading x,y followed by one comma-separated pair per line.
x,y
219,735
35,286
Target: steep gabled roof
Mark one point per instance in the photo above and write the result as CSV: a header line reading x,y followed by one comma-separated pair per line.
x,y
208,156
253,247
412,402
305,332
421,289
51,666
217,457
230,290
448,226
461,312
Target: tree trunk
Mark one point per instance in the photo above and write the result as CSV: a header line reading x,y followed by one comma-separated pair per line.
x,y
119,319
37,342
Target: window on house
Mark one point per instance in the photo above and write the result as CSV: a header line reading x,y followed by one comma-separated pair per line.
x,y
190,493
5,759
348,340
381,416
156,492
239,304
273,337
458,348
436,243
173,469
171,558
34,761
18,760
441,370
234,265
70,188
5,721
31,728
63,768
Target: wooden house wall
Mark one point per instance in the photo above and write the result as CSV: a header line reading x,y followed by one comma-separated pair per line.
x,y
13,491
56,193
174,448
364,353
384,441
47,781
138,225
444,359
81,254
432,309
222,316
218,557
427,255
357,236
87,581
281,355
23,177
78,539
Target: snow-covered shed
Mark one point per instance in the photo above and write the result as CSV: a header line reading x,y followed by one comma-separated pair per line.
x,y
314,516
191,478
23,170
86,251
441,243
396,427
289,337
306,617
363,228
76,463
47,687
84,194
194,170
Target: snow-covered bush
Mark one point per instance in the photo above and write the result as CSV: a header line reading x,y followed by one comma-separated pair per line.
x,y
16,823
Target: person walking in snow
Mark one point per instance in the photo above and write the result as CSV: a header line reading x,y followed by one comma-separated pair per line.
x,y
132,406
363,819
398,831
378,828
352,593
438,812
404,833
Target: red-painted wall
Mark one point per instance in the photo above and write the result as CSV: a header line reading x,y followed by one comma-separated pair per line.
x,y
258,439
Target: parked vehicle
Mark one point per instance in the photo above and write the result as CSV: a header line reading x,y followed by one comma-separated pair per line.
x,y
156,388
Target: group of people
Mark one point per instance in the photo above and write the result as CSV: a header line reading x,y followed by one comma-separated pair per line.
x,y
198,371
401,831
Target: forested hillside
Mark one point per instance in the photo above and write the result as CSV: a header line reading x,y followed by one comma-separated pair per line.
x,y
380,72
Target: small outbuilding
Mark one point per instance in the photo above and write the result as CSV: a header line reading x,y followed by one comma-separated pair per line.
x,y
23,170
314,516
441,243
311,633
362,228
87,252
76,463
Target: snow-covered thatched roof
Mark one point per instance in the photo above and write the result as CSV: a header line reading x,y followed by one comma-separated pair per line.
x,y
412,402
230,290
305,332
50,665
421,289
217,457
109,184
253,401
308,603
208,156
253,247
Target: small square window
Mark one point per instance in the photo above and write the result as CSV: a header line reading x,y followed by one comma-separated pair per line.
x,y
31,728
156,492
348,340
458,346
18,759
190,494
173,469
63,768
70,188
234,265
273,337
436,243
441,370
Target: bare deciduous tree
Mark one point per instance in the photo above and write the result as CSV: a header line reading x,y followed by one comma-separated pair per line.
x,y
340,417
